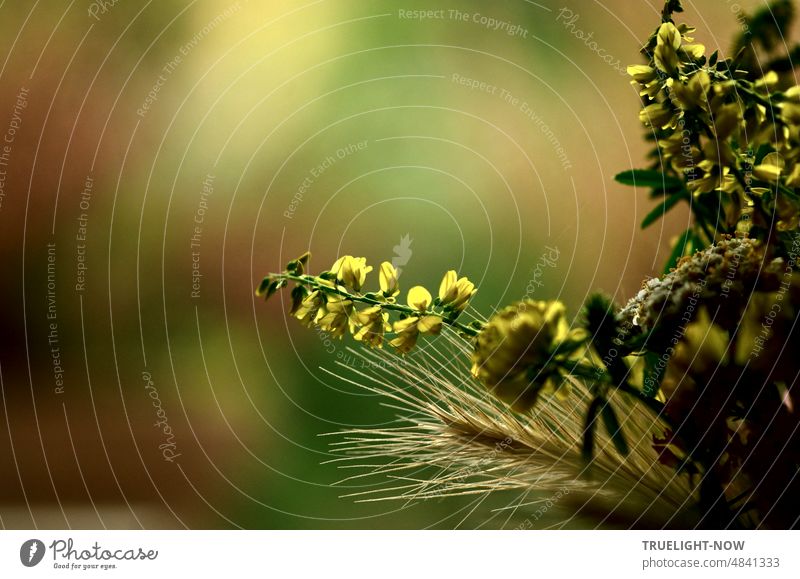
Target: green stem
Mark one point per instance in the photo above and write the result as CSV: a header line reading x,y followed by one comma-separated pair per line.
x,y
314,282
591,372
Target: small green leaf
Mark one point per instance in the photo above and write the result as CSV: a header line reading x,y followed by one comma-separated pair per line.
x,y
274,287
670,6
678,250
661,209
299,293
713,60
697,242
263,286
298,266
590,422
653,372
649,178
614,430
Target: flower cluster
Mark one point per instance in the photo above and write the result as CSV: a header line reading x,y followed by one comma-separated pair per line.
x,y
728,388
331,302
710,347
521,351
728,144
723,276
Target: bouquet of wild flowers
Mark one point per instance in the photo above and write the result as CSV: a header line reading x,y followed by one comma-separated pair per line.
x,y
683,402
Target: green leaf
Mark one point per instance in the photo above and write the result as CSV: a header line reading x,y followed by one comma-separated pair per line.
x,y
274,287
298,266
678,250
269,286
697,242
614,429
661,209
670,6
762,152
263,286
299,293
652,374
587,450
649,178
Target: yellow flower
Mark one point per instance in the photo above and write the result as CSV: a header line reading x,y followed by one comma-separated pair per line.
x,y
698,359
659,116
770,168
518,340
374,322
793,178
455,293
715,178
768,82
388,280
667,44
351,271
335,316
430,325
693,94
307,311
693,51
647,77
766,337
726,120
642,73
419,298
702,349
787,212
407,333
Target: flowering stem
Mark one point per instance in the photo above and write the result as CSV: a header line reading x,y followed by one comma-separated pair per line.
x,y
314,282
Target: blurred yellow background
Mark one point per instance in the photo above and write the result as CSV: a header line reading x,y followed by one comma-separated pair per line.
x,y
164,156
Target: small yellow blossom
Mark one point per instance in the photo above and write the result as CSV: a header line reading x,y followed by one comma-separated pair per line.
x,y
351,271
770,168
407,333
642,73
693,94
388,280
658,116
374,323
335,316
455,293
419,298
307,311
430,324
666,53
693,51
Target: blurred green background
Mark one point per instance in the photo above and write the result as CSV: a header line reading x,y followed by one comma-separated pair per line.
x,y
225,138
